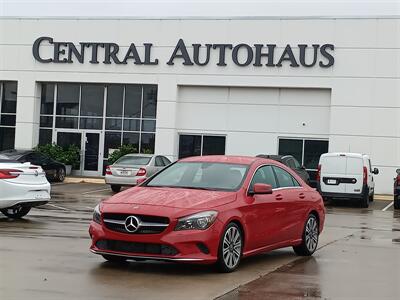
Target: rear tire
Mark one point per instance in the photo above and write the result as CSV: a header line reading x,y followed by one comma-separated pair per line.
x,y
16,212
115,188
364,202
230,249
115,259
396,202
310,237
60,176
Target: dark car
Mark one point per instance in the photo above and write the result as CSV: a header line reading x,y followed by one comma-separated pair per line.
x,y
291,162
54,169
396,200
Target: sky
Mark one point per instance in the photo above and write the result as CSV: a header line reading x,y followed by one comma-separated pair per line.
x,y
197,8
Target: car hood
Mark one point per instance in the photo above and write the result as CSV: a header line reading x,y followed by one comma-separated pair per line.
x,y
173,197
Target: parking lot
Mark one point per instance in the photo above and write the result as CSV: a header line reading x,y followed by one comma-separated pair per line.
x,y
46,256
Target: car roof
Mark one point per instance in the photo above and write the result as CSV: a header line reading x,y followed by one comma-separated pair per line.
x,y
349,154
139,155
15,153
233,159
274,156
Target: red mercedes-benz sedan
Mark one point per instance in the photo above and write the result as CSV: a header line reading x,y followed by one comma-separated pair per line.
x,y
210,209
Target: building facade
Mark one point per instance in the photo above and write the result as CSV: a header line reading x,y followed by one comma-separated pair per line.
x,y
180,87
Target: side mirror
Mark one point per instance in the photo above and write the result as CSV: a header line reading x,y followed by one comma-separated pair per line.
x,y
141,180
262,189
376,171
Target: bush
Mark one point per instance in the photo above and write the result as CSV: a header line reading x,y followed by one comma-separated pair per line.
x,y
121,151
68,156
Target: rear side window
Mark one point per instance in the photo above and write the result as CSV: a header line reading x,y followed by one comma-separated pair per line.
x,y
159,162
166,160
264,175
284,178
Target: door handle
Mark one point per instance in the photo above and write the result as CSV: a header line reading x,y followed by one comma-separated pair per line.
x,y
302,196
279,197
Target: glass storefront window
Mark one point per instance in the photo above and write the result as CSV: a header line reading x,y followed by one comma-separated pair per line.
x,y
92,100
46,121
147,143
45,136
112,140
9,98
291,147
131,138
115,98
91,123
7,138
313,149
113,124
133,101
149,125
149,101
68,99
8,109
66,122
47,99
131,125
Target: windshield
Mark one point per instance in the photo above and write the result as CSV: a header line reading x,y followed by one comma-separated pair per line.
x,y
201,175
133,160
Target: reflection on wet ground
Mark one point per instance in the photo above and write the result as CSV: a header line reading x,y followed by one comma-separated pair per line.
x,y
45,256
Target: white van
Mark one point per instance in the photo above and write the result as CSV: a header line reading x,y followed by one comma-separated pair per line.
x,y
346,175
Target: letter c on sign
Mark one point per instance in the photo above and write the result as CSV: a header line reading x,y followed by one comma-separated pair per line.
x,y
35,49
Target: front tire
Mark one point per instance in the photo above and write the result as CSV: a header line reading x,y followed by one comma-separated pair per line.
x,y
115,188
16,212
230,249
310,237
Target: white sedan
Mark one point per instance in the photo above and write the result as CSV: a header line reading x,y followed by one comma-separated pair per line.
x,y
22,186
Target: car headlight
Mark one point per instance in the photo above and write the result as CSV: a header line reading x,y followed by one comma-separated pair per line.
x,y
97,214
199,221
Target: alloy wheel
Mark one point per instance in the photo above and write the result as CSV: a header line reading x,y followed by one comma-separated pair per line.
x,y
232,247
311,234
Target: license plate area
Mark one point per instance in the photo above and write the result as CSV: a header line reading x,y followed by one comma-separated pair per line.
x,y
40,195
124,173
331,181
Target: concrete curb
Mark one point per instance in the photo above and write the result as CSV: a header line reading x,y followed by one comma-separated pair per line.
x,y
84,180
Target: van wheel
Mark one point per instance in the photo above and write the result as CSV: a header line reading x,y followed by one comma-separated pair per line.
x,y
371,198
365,201
396,202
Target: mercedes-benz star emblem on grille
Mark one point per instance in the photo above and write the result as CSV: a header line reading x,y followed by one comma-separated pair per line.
x,y
132,224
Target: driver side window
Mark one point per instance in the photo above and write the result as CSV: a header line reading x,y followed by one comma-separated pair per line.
x,y
264,175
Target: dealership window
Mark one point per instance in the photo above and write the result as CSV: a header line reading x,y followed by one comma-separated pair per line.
x,y
306,151
8,110
195,145
125,114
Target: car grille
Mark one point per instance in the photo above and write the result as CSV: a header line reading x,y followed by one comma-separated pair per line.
x,y
148,224
134,247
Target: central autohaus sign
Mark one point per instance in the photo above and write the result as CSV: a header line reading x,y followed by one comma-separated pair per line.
x,y
195,54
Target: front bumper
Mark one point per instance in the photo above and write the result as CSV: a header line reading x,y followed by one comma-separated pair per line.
x,y
188,243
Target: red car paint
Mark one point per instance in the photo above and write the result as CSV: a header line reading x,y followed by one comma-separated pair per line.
x,y
268,221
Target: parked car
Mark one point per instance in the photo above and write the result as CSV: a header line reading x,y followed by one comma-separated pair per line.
x,y
291,162
210,209
129,168
396,200
346,175
22,187
54,170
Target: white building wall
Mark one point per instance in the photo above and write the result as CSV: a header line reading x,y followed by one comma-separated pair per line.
x,y
364,81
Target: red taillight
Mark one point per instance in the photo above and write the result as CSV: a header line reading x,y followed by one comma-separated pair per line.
x,y
9,173
398,180
141,172
365,177
108,170
319,173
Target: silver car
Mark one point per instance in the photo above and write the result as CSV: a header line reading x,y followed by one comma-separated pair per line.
x,y
131,167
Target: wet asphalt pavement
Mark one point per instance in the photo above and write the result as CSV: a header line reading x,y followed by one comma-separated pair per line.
x,y
46,256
